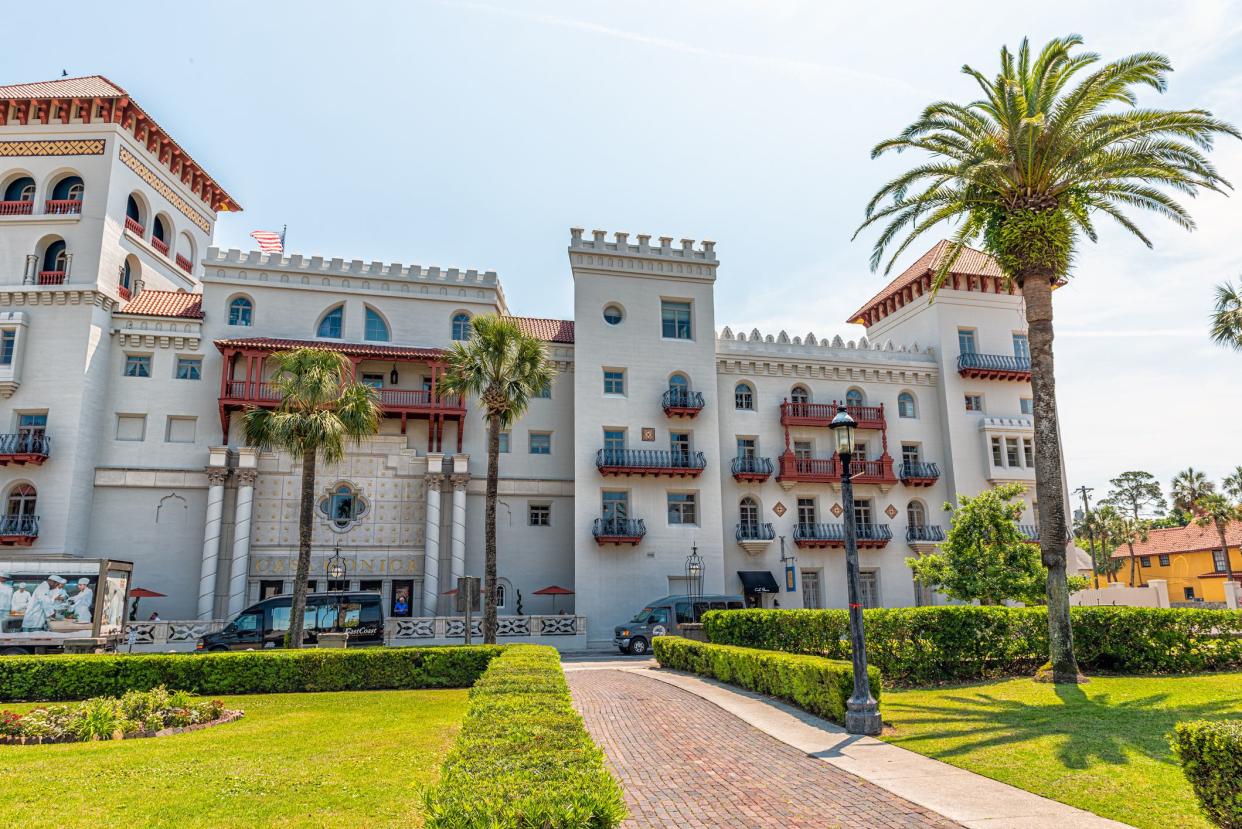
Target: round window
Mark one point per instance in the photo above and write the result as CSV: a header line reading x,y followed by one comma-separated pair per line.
x,y
613,314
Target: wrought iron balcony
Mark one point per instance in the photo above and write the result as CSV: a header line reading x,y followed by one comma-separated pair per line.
x,y
751,468
828,470
925,532
618,530
918,473
682,402
994,367
18,530
754,531
657,462
821,414
24,448
870,536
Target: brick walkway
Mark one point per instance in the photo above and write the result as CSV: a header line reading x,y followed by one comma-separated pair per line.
x,y
685,763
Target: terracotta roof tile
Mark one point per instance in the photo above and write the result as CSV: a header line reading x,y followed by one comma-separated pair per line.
x,y
372,350
91,86
548,330
969,261
1189,539
166,304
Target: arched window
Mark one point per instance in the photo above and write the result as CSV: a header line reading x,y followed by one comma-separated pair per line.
x,y
56,257
799,395
376,328
905,405
69,188
748,512
22,501
127,274
159,230
21,189
241,311
185,252
500,595
854,397
679,386
744,397
343,506
133,212
916,514
461,326
332,323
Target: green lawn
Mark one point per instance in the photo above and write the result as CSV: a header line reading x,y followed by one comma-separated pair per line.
x,y
1099,746
331,759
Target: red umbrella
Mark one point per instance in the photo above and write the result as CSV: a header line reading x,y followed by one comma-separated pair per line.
x,y
144,593
554,591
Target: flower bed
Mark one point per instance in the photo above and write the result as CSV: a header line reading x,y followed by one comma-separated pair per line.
x,y
154,713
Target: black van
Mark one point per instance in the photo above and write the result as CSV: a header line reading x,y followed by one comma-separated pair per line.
x,y
264,625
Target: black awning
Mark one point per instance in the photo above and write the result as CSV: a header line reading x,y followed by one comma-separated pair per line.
x,y
758,581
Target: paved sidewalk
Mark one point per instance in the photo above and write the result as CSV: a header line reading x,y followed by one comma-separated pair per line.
x,y
685,763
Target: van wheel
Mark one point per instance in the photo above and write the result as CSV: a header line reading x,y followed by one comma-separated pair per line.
x,y
14,652
638,646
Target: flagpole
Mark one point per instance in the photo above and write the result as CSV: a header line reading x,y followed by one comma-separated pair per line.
x,y
283,228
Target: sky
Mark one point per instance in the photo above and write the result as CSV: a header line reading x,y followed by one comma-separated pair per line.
x,y
475,134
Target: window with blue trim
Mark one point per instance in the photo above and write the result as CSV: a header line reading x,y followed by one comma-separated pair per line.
x,y
241,311
461,326
675,320
376,328
8,342
332,323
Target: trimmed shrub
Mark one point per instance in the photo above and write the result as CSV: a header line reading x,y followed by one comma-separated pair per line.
x,y
523,759
927,645
1211,758
65,677
813,683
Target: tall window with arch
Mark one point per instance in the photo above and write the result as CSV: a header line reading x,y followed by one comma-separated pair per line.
x,y
133,215
799,396
127,275
748,516
56,258
916,514
241,311
20,189
854,397
679,389
905,405
376,328
461,326
744,397
20,511
332,324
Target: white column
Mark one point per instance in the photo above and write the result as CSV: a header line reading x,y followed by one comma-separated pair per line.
x,y
216,476
459,526
431,559
241,541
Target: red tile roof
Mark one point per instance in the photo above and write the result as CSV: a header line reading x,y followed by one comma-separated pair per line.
x,y
1189,539
127,113
166,304
970,261
552,331
368,350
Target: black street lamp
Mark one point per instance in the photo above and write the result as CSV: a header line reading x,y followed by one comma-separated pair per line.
x,y
694,577
336,571
862,714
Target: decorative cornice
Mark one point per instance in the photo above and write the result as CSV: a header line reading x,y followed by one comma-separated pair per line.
x,y
56,295
247,477
760,366
217,475
15,149
150,339
459,480
157,182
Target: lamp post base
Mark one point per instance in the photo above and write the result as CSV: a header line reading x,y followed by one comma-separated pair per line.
x,y
863,718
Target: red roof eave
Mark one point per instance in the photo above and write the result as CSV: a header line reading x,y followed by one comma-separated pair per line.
x,y
364,350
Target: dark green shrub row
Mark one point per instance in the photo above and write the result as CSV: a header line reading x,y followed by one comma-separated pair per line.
x,y
813,683
61,677
523,759
926,645
1211,757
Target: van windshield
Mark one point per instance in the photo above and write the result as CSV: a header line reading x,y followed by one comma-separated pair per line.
x,y
642,615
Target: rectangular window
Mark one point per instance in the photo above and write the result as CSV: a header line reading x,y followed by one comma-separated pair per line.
x,y
1021,348
180,429
1218,561
8,340
998,458
675,320
504,443
1189,593
545,393
974,402
966,340
269,588
1028,452
189,368
746,447
679,445
1027,406
682,508
1145,561
539,515
402,597
541,443
1011,452
137,365
811,597
802,449
614,381
862,511
806,510
860,450
32,423
131,426
614,441
616,506
869,588
1164,560
910,453
375,381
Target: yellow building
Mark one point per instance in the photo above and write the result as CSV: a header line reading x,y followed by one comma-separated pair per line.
x,y
1189,558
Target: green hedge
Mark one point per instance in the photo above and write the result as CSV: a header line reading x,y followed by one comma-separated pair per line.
x,y
926,645
1211,757
523,759
813,683
64,677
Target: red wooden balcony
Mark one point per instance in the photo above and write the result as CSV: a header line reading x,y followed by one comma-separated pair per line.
x,y
24,448
655,462
994,367
18,530
395,401
185,264
16,208
133,227
832,536
682,403
160,245
751,469
51,278
821,414
62,207
828,470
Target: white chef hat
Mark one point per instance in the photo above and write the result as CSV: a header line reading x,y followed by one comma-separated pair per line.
x,y
56,579
84,581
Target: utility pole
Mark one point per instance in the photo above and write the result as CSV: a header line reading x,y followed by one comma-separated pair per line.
x,y
1085,490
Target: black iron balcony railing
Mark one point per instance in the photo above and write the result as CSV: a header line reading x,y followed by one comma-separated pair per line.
x,y
924,532
754,531
752,468
650,461
918,471
21,526
25,443
999,366
836,532
619,530
682,401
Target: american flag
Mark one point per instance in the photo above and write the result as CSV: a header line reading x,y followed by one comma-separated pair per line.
x,y
269,241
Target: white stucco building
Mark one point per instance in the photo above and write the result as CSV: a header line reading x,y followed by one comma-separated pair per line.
x,y
129,347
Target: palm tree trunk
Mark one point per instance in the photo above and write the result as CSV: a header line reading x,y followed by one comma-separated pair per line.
x,y
489,530
1224,545
306,518
1037,292
1133,563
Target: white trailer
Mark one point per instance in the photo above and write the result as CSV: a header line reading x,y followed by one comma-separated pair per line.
x,y
57,604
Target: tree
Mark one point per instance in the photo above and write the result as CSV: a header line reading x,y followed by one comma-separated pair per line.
x,y
985,557
1108,519
1128,530
504,368
1226,327
1215,510
1024,171
1233,484
1189,487
1175,517
1137,492
321,407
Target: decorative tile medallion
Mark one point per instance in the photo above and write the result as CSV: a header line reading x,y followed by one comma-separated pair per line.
x,y
648,433
890,511
150,177
13,149
836,510
779,509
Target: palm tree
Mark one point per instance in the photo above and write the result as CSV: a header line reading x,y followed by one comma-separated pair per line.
x,y
504,367
1189,487
1215,510
1233,484
1054,142
320,408
1226,327
1108,521
1130,530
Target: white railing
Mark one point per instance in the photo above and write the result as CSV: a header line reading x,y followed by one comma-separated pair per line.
x,y
397,629
163,633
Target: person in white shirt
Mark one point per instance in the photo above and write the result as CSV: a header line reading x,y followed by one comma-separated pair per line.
x,y
43,603
21,600
83,601
6,595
